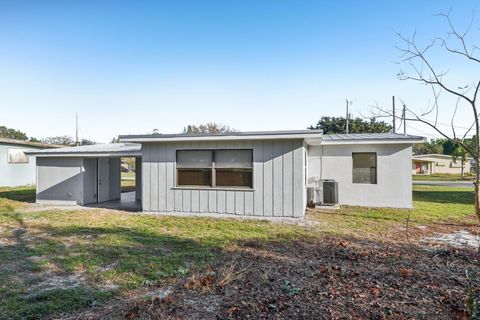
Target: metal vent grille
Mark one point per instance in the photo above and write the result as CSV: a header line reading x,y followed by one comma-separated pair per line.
x,y
330,192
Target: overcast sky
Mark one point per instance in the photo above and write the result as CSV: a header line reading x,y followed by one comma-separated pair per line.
x,y
134,66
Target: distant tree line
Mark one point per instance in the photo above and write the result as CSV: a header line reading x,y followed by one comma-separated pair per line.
x,y
60,140
444,146
210,127
332,125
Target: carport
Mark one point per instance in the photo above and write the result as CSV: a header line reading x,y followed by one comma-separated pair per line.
x,y
87,175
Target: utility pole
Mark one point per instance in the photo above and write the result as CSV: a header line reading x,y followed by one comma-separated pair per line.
x,y
404,120
77,143
393,106
346,125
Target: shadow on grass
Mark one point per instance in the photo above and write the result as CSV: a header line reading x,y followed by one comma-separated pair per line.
x,y
24,194
36,266
454,197
333,277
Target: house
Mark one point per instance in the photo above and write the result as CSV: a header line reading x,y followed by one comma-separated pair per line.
x,y
244,173
16,168
440,163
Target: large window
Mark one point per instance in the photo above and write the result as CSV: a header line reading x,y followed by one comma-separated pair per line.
x,y
214,168
364,167
17,156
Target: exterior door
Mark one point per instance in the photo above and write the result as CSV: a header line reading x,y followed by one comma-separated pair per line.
x,y
418,167
103,180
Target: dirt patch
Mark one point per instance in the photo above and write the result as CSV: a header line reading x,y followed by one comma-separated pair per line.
x,y
458,239
51,282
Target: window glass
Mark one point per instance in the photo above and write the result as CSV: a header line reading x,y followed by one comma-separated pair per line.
x,y
233,158
364,168
214,168
194,159
233,177
17,156
194,177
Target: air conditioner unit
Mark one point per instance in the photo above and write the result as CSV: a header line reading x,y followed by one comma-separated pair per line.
x,y
325,192
330,192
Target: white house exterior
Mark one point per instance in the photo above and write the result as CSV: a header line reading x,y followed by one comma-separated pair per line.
x,y
16,168
247,173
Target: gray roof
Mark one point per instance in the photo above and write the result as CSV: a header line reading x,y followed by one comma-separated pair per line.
x,y
370,136
27,143
245,134
310,136
109,149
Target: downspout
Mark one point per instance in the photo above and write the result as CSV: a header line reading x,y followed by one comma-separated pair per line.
x,y
321,162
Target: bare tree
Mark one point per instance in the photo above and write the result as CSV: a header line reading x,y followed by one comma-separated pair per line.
x,y
211,127
421,68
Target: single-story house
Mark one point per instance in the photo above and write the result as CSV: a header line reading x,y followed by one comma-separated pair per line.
x,y
440,163
16,168
244,173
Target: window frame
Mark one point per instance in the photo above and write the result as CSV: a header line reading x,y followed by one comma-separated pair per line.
x,y
376,168
213,169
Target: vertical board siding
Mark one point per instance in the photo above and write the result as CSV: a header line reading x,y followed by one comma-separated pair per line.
x,y
212,201
298,179
258,178
277,180
267,179
221,201
277,177
288,179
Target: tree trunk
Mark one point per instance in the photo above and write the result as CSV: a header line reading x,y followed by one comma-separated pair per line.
x,y
477,201
477,184
461,170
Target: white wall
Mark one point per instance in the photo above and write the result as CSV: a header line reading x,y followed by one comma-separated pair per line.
x,y
59,180
394,175
90,180
16,174
278,180
71,180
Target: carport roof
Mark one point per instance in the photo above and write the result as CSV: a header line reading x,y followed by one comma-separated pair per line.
x,y
94,150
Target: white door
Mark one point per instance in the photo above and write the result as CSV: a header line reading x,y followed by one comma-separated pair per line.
x,y
103,179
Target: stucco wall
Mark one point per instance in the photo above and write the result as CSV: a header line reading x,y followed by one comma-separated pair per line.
x,y
59,180
16,174
278,180
394,177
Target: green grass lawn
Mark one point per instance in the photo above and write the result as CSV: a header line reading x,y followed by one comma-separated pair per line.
x,y
442,177
105,253
58,261
128,181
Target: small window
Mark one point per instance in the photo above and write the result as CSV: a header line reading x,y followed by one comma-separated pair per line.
x,y
215,168
364,167
17,156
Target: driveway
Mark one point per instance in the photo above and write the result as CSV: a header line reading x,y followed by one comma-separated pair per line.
x,y
445,183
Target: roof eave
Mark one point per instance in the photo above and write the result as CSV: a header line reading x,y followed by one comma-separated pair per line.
x,y
372,141
85,154
220,138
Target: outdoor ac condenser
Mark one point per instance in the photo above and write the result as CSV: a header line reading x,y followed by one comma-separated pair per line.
x,y
330,192
326,192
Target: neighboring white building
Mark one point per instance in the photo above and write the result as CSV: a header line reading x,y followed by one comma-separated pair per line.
x,y
243,173
16,168
439,163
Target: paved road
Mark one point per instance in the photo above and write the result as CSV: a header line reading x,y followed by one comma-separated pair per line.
x,y
446,183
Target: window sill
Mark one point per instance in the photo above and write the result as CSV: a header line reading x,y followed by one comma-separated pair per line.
x,y
212,188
